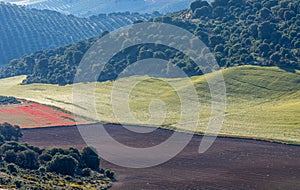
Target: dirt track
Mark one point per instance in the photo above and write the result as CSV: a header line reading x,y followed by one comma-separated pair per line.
x,y
229,163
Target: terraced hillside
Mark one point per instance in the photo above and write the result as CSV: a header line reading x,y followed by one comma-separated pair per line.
x,y
262,102
94,7
24,30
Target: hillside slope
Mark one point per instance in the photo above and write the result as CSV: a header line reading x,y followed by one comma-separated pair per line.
x,y
262,102
24,30
94,7
250,32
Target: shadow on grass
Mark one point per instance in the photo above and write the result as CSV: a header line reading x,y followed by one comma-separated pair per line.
x,y
289,69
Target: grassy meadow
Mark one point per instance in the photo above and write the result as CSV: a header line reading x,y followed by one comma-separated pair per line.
x,y
262,102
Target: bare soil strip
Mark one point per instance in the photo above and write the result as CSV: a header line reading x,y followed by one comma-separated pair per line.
x,y
229,164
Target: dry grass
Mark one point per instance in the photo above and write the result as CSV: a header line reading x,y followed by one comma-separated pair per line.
x,y
262,102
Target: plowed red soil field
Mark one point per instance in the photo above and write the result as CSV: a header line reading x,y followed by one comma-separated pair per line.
x,y
32,115
235,164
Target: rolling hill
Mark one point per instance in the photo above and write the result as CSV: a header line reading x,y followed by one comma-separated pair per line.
x,y
25,30
263,97
246,33
85,8
262,102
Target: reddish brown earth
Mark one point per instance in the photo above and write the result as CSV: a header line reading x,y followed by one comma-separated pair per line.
x,y
229,164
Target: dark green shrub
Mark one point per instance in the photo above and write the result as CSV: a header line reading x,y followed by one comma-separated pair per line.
x,y
203,11
62,164
10,156
34,148
10,132
86,172
76,156
12,168
18,184
110,174
12,146
198,4
68,178
55,151
28,159
42,169
90,158
45,157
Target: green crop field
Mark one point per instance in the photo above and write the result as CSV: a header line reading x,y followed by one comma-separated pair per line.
x,y
262,102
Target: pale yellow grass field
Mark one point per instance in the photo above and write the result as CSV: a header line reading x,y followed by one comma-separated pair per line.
x,y
262,102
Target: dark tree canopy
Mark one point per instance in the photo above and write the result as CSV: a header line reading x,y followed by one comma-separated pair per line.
x,y
63,164
237,32
10,132
199,4
90,158
30,164
28,159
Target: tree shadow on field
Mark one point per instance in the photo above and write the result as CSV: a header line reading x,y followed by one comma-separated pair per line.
x,y
289,69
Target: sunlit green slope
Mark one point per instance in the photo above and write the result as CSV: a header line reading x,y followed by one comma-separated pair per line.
x,y
262,102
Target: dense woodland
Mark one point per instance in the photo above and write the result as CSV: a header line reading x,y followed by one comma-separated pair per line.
x,y
52,66
23,166
25,30
238,32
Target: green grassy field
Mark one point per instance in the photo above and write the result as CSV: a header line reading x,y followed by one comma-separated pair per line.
x,y
262,102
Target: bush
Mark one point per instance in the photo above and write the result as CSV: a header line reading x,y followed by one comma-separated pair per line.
x,y
12,168
34,148
63,167
45,157
18,184
203,11
74,152
198,4
90,158
28,159
63,164
110,174
10,156
10,132
42,169
68,178
86,172
55,151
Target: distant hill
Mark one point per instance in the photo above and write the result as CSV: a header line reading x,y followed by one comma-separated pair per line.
x,y
93,7
25,30
238,32
59,66
65,58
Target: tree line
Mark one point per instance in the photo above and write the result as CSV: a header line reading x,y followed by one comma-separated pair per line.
x,y
4,100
